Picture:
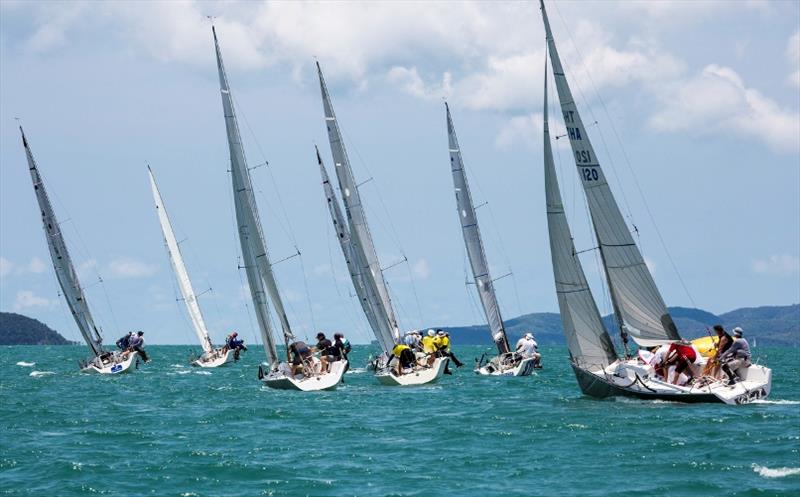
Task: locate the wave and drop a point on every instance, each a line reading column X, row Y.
column 357, row 370
column 202, row 372
column 38, row 374
column 776, row 402
column 26, row 364
column 776, row 472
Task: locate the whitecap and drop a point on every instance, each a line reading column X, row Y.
column 357, row 371
column 775, row 472
column 776, row 402
column 37, row 374
column 202, row 372
column 26, row 364
column 177, row 366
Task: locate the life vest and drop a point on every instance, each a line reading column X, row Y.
column 398, row 349
column 429, row 344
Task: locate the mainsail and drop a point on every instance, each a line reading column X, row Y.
column 385, row 324
column 254, row 252
column 637, row 302
column 472, row 239
column 587, row 339
column 62, row 263
column 184, row 283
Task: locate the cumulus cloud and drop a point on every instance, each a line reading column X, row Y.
column 6, row 267
column 27, row 299
column 37, row 266
column 718, row 98
column 129, row 268
column 783, row 264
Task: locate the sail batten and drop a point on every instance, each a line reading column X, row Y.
column 182, row 275
column 376, row 291
column 62, row 262
column 638, row 304
column 258, row 268
column 473, row 241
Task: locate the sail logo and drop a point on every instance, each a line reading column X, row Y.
column 116, row 368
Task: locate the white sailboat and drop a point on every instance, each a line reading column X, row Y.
column 258, row 267
column 507, row 362
column 366, row 274
column 211, row 357
column 101, row 361
column 637, row 303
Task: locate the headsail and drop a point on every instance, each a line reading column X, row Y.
column 387, row 331
column 472, row 238
column 254, row 252
column 184, row 283
column 587, row 339
column 637, row 301
column 351, row 255
column 62, row 262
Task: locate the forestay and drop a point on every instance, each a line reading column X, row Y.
column 254, row 253
column 472, row 238
column 184, row 283
column 587, row 339
column 62, row 262
column 385, row 326
column 638, row 303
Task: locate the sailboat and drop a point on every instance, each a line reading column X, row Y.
column 261, row 280
column 638, row 306
column 211, row 357
column 507, row 362
column 101, row 361
column 366, row 274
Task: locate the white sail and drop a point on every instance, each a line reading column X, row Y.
column 62, row 263
column 351, row 256
column 184, row 283
column 254, row 253
column 637, row 301
column 472, row 238
column 387, row 331
column 587, row 339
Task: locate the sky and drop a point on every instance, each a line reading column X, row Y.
column 696, row 108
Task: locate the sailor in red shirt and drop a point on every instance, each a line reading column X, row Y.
column 683, row 356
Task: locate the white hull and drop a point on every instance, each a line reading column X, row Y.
column 524, row 368
column 419, row 376
column 216, row 359
column 115, row 365
column 633, row 379
column 283, row 380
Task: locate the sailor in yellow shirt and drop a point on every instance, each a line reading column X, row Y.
column 442, row 343
column 429, row 346
column 405, row 358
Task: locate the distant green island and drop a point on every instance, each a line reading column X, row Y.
column 16, row 329
column 768, row 325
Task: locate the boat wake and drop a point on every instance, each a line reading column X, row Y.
column 26, row 364
column 38, row 374
column 777, row 402
column 357, row 371
column 776, row 472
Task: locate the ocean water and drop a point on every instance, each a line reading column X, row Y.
column 173, row 430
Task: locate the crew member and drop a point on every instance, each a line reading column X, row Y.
column 124, row 342
column 325, row 349
column 527, row 347
column 736, row 358
column 429, row 346
column 683, row 356
column 136, row 344
column 233, row 343
column 300, row 353
column 405, row 358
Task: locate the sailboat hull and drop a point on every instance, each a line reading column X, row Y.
column 282, row 381
column 629, row 379
column 417, row 377
column 215, row 360
column 117, row 365
column 525, row 368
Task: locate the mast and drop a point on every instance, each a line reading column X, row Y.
column 346, row 243
column 638, row 303
column 587, row 339
column 184, row 283
column 254, row 253
column 387, row 331
column 62, row 262
column 472, row 239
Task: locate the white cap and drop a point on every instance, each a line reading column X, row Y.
column 431, row 333
column 738, row 331
column 498, row 337
column 529, row 335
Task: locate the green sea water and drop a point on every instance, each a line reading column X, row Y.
column 173, row 430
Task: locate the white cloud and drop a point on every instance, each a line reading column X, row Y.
column 26, row 299
column 525, row 129
column 717, row 100
column 6, row 267
column 793, row 54
column 421, row 269
column 783, row 264
column 129, row 268
column 409, row 80
column 37, row 266
column 87, row 269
